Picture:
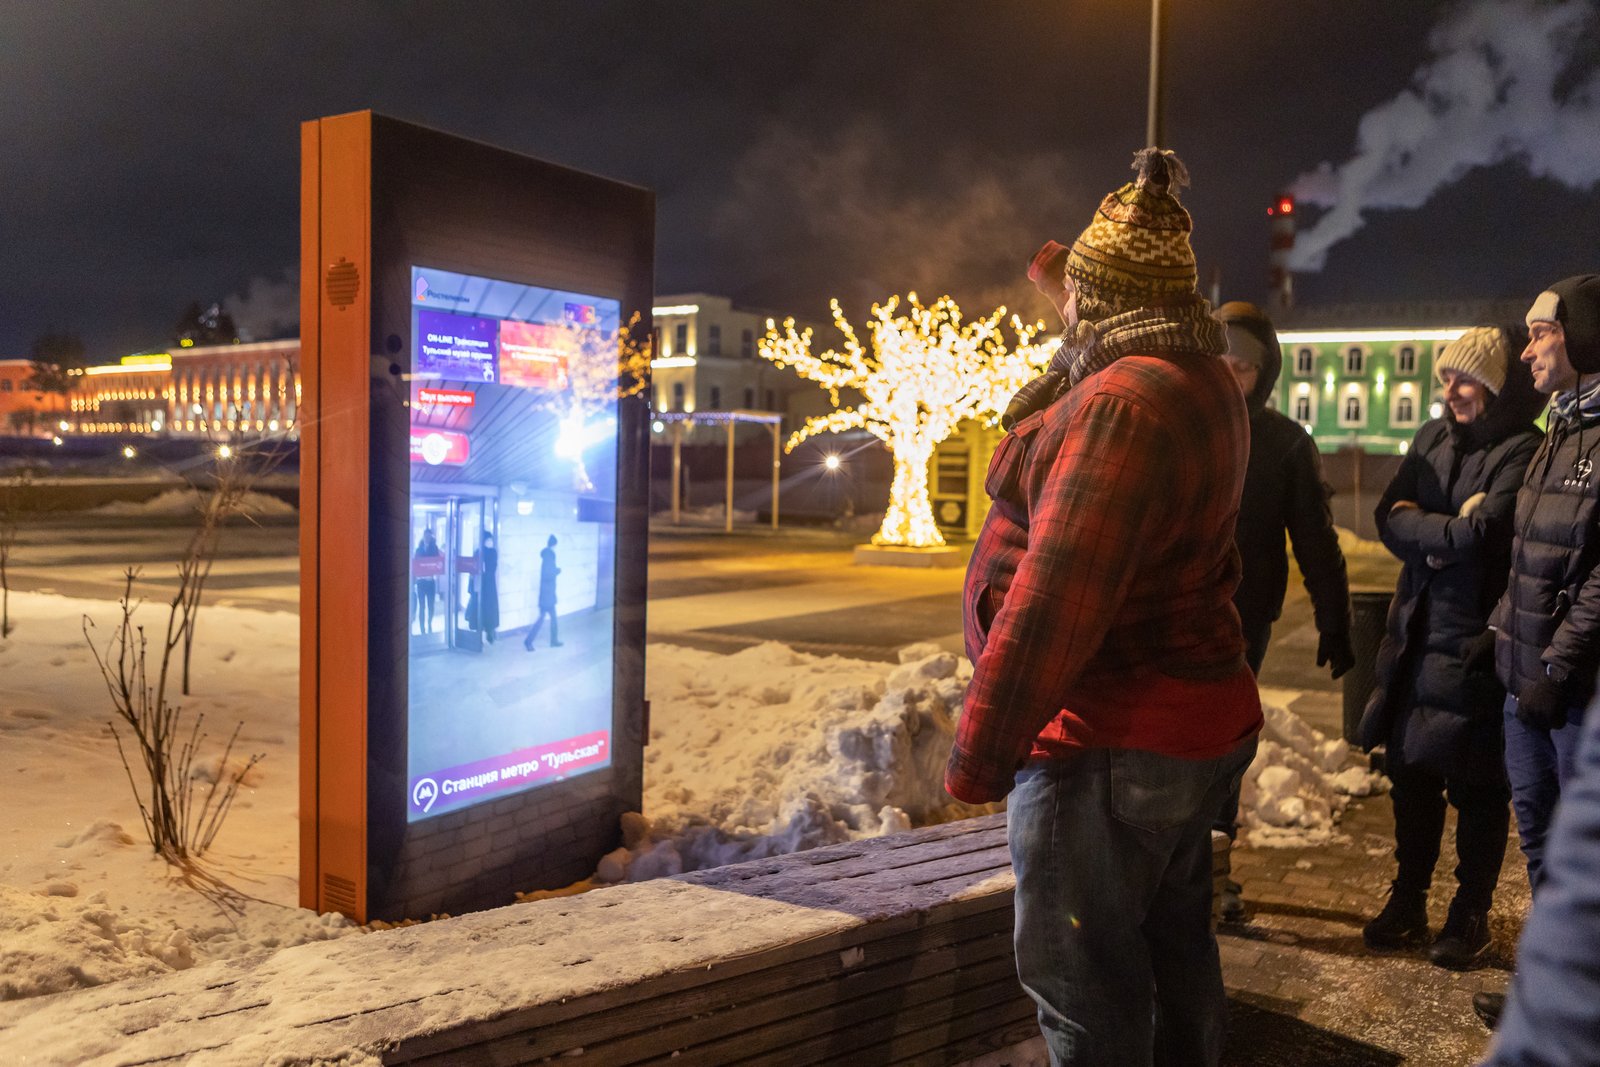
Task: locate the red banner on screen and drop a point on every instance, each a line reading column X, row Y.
column 533, row 355
column 447, row 398
column 435, row 447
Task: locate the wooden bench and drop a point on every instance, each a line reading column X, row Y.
column 895, row 950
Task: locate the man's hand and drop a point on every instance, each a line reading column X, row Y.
column 1401, row 504
column 1542, row 705
column 1335, row 653
column 961, row 783
column 1469, row 505
column 1477, row 653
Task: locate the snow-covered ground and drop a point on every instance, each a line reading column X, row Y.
column 187, row 502
column 762, row 752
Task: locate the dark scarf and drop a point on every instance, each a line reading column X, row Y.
column 1180, row 326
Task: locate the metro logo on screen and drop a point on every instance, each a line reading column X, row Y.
column 436, row 447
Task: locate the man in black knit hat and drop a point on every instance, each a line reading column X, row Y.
column 1547, row 645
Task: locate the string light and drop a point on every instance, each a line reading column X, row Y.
column 926, row 372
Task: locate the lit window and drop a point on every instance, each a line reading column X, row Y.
column 1353, row 406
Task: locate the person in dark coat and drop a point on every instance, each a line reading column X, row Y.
column 488, row 589
column 1283, row 491
column 1555, row 996
column 426, row 589
column 547, row 596
column 1447, row 517
column 1547, row 640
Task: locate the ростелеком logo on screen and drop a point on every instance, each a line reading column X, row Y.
column 422, row 289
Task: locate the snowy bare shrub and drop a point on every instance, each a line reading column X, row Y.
column 181, row 810
column 238, row 465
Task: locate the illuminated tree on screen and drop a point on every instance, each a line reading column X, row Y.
column 601, row 370
column 926, row 370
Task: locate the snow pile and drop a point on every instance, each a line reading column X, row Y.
column 83, row 899
column 187, row 502
column 1354, row 546
column 770, row 750
column 1300, row 783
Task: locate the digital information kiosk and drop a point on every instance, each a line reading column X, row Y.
column 473, row 520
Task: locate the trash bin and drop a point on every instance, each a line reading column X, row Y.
column 1369, row 617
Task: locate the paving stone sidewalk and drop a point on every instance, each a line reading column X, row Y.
column 1306, row 991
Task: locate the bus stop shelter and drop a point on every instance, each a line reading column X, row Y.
column 676, row 420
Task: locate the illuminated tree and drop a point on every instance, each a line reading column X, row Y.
column 926, row 372
column 601, row 369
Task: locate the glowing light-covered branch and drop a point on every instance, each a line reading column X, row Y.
column 601, row 369
column 927, row 370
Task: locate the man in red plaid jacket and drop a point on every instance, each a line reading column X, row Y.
column 1110, row 688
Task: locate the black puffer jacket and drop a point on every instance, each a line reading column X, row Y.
column 1283, row 489
column 1427, row 707
column 1550, row 614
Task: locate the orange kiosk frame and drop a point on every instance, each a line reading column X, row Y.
column 378, row 196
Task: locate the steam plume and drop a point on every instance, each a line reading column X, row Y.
column 1506, row 81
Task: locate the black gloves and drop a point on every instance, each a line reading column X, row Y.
column 1477, row 654
column 1334, row 652
column 1543, row 705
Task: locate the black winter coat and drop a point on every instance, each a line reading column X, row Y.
column 1550, row 614
column 1427, row 707
column 1284, row 490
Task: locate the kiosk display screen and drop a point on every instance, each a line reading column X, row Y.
column 513, row 465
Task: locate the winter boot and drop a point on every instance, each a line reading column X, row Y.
column 1463, row 940
column 1403, row 922
column 1231, row 904
column 1488, row 1006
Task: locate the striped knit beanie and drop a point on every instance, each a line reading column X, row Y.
column 1136, row 252
column 1482, row 352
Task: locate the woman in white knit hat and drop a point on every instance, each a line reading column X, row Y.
column 1437, row 706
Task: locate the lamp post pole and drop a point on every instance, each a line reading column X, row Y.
column 1153, row 131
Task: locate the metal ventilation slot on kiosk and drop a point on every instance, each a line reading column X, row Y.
column 473, row 520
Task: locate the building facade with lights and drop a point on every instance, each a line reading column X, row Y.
column 1366, row 387
column 196, row 390
column 707, row 358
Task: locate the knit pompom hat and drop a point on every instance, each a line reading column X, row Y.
column 1136, row 252
column 1482, row 352
column 1575, row 304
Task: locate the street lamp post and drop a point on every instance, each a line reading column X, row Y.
column 1153, row 131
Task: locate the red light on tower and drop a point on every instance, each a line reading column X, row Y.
column 1285, row 205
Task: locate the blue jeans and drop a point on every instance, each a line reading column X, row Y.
column 1112, row 853
column 1538, row 762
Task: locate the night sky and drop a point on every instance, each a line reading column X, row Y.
column 800, row 149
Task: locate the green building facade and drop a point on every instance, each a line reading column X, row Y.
column 1349, row 388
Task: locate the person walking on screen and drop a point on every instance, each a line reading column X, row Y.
column 547, row 595
column 1110, row 696
column 488, row 588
